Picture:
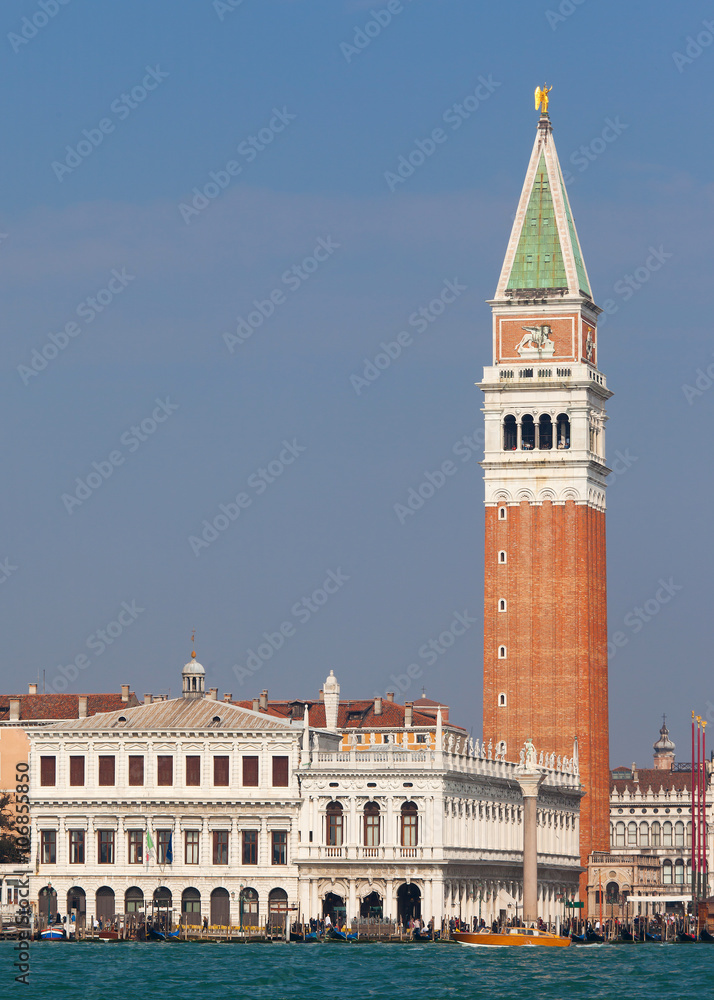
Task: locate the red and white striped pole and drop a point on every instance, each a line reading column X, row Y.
column 703, row 810
column 694, row 816
column 699, row 807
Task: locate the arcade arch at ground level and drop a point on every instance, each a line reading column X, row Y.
column 467, row 895
column 376, row 892
column 230, row 901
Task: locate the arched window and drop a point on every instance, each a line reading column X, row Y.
column 502, row 652
column 248, row 907
column 104, row 903
column 620, row 834
column 502, row 556
column 527, row 433
column 371, row 825
column 409, row 824
column 612, row 892
column 502, row 513
column 510, row 433
column 502, row 700
column 335, row 825
column 656, row 834
column 644, row 834
column 679, row 872
column 501, row 605
column 667, row 872
column 133, row 900
column 191, row 906
column 220, row 907
column 689, row 834
column 632, row 834
column 277, row 908
column 563, row 430
column 666, row 834
column 679, row 834
column 545, row 432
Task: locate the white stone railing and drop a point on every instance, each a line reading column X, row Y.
column 458, row 754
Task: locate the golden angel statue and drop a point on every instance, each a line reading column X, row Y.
column 541, row 98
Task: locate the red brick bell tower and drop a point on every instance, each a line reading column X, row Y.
column 545, row 632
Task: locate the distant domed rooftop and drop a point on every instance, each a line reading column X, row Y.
column 193, row 678
column 664, row 744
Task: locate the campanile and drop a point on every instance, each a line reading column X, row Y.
column 545, row 623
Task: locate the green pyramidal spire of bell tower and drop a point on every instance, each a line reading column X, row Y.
column 544, row 252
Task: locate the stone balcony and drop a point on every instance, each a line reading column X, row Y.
column 465, row 758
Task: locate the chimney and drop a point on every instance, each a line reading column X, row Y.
column 227, row 696
column 321, row 695
column 390, row 695
column 14, row 710
column 148, row 699
column 408, row 714
column 635, row 775
column 378, row 706
column 32, row 689
column 256, row 704
column 213, row 694
column 264, row 698
column 125, row 692
column 83, row 706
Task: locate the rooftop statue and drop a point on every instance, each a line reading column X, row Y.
column 542, row 99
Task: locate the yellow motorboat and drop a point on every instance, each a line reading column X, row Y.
column 528, row 936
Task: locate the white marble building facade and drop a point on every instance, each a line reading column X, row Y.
column 434, row 833
column 238, row 817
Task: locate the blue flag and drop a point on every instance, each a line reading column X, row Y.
column 170, row 850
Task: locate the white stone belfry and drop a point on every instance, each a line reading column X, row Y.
column 193, row 678
column 332, row 701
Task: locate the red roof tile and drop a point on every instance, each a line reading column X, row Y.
column 651, row 777
column 35, row 707
column 351, row 714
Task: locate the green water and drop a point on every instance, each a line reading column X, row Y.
column 336, row 971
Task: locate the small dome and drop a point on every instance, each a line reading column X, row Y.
column 664, row 744
column 193, row 677
column 193, row 666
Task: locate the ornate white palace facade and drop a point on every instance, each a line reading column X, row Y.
column 237, row 816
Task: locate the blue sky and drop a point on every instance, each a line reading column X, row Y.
column 164, row 351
